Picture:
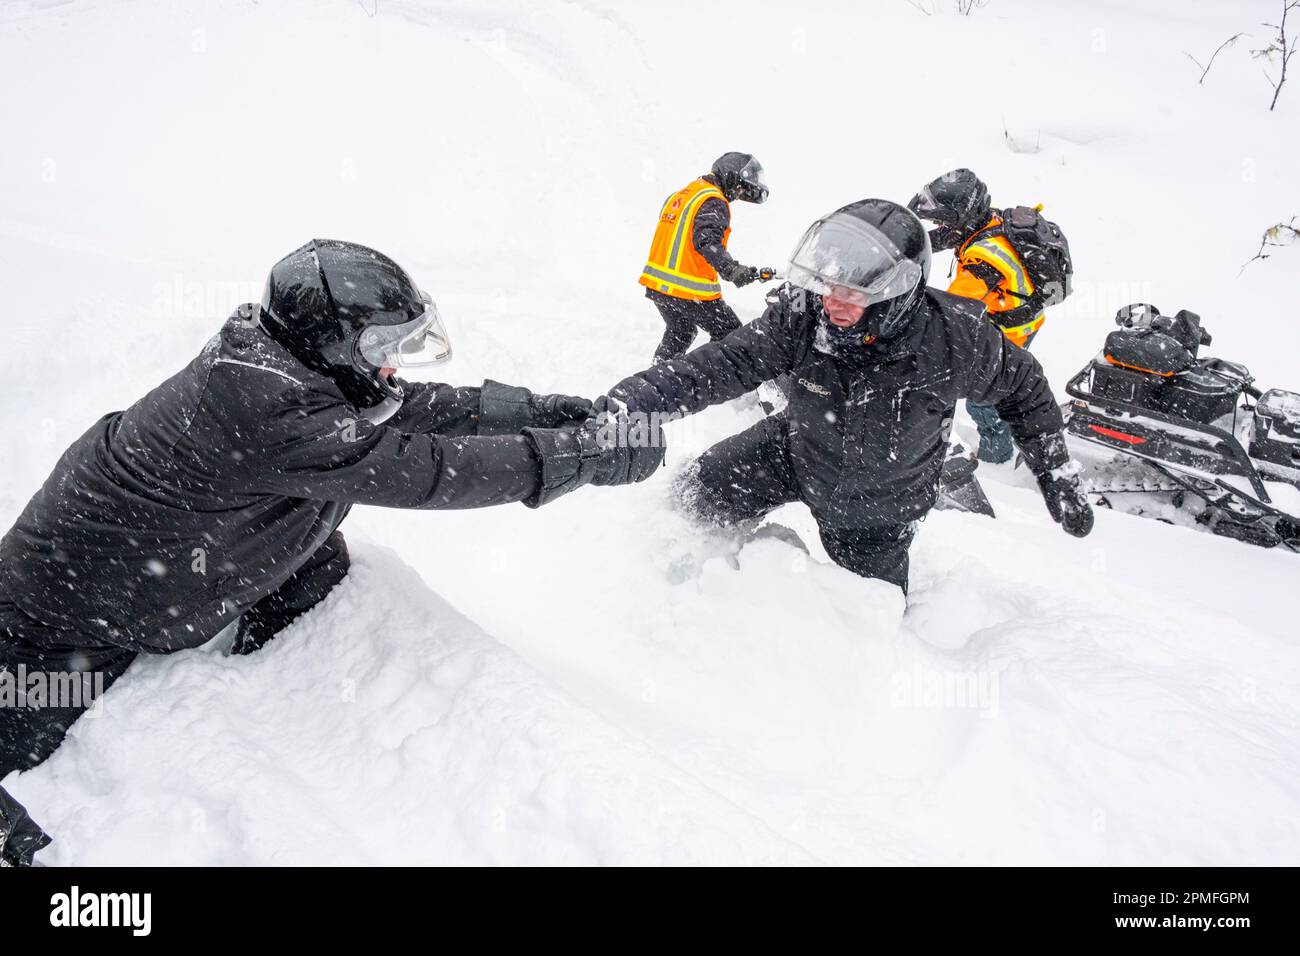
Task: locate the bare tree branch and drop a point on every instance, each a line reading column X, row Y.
column 1281, row 48
column 1282, row 234
column 1205, row 67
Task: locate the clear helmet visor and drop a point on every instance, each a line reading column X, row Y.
column 926, row 206
column 420, row 342
column 753, row 182
column 851, row 260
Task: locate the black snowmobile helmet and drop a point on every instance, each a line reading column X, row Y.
column 957, row 202
column 874, row 252
column 740, row 177
column 347, row 311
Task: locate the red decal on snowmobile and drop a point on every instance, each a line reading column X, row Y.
column 1111, row 433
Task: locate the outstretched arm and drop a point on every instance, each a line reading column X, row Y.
column 436, row 408
column 321, row 450
column 493, row 409
column 721, row 370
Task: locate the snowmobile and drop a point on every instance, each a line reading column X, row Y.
column 1162, row 432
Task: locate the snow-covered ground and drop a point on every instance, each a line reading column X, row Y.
column 516, row 686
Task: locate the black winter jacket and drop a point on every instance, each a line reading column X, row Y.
column 164, row 522
column 868, row 431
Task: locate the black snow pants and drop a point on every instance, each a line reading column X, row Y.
column 303, row 590
column 682, row 317
column 28, row 734
column 20, row 838
column 743, row 477
column 60, row 675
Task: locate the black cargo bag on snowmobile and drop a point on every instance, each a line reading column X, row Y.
column 1043, row 249
column 1277, row 428
column 1151, row 361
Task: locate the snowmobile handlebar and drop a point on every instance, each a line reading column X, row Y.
column 1143, row 315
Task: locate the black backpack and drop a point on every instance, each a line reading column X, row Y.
column 1042, row 248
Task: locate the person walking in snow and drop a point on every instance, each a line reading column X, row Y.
column 877, row 361
column 1015, row 268
column 217, row 497
column 689, row 253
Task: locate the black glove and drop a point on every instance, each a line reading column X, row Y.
column 610, row 448
column 1058, row 479
column 1066, row 503
column 508, row 409
column 551, row 411
column 742, row 276
column 634, row 442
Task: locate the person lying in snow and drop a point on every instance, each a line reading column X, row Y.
column 877, row 362
column 217, row 496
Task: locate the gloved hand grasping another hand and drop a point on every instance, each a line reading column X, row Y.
column 551, row 411
column 613, row 447
column 634, row 444
column 505, row 409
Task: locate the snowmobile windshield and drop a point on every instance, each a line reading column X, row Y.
column 850, row 259
column 753, row 182
column 421, row 341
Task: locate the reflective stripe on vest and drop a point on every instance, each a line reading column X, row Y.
column 991, row 247
column 674, row 267
column 997, row 252
column 1020, row 334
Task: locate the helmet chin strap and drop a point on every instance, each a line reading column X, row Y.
column 378, row 414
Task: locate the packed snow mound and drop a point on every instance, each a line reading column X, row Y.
column 1041, row 700
column 772, row 708
column 381, row 728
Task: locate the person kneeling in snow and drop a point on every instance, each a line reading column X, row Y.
column 877, row 362
column 218, row 496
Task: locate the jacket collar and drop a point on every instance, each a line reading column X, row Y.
column 905, row 345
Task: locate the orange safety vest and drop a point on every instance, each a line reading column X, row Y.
column 1011, row 291
column 674, row 267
